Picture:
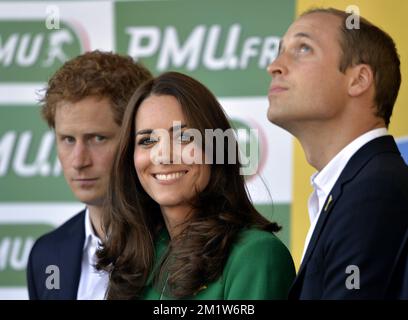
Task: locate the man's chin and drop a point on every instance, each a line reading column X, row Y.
column 91, row 201
column 273, row 117
column 272, row 112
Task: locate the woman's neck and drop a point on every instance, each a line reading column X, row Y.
column 175, row 217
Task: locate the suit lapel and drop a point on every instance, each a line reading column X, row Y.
column 355, row 164
column 324, row 214
column 71, row 258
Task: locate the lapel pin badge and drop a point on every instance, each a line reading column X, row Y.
column 329, row 201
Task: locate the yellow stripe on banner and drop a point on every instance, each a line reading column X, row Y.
column 391, row 17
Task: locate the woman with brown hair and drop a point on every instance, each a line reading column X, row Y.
column 179, row 223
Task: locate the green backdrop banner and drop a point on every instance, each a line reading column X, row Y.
column 225, row 44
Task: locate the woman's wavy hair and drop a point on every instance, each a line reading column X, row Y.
column 133, row 220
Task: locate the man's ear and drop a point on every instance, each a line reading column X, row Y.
column 361, row 79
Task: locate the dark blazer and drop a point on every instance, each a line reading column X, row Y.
column 362, row 225
column 63, row 248
column 398, row 288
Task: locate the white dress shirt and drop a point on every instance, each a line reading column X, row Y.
column 93, row 283
column 324, row 180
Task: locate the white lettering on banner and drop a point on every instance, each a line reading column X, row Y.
column 21, row 44
column 249, row 51
column 201, row 45
column 4, row 252
column 171, row 52
column 19, row 253
column 41, row 166
column 269, row 51
column 26, row 48
column 57, row 168
column 137, row 35
column 55, row 52
column 6, row 149
column 14, row 252
column 228, row 60
column 7, row 49
column 25, row 58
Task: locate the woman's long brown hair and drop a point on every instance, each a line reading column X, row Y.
column 133, row 219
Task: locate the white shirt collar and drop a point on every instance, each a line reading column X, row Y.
column 324, row 180
column 92, row 283
column 91, row 239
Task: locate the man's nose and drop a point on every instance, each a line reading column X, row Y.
column 277, row 67
column 81, row 156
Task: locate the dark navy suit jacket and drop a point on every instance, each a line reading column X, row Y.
column 399, row 283
column 360, row 230
column 63, row 248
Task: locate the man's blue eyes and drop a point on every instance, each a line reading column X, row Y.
column 100, row 138
column 304, row 48
column 301, row 48
column 72, row 140
column 68, row 139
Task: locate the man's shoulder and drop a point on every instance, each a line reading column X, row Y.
column 386, row 169
column 52, row 238
column 373, row 188
column 62, row 248
column 378, row 162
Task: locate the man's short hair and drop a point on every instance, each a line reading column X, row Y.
column 372, row 46
column 96, row 73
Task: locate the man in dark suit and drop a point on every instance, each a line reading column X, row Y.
column 402, row 263
column 84, row 103
column 334, row 85
column 398, row 288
